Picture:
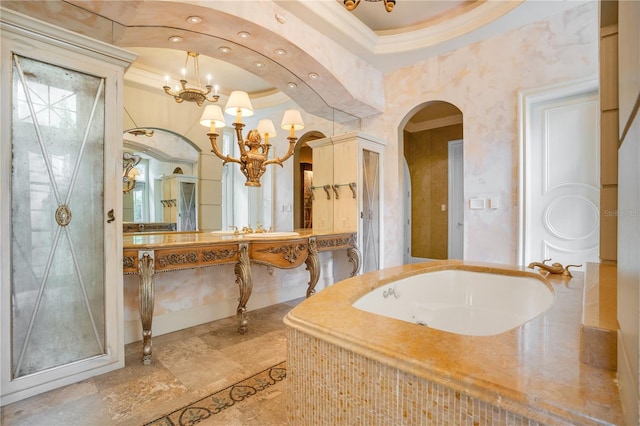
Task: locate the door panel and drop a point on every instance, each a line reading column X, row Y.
column 61, row 151
column 56, row 199
column 456, row 201
column 370, row 211
column 563, row 171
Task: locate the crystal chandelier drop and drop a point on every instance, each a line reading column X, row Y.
column 192, row 94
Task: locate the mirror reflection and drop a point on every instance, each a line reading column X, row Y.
column 165, row 195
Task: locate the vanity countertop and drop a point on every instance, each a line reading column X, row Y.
column 156, row 240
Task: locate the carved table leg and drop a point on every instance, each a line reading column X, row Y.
column 145, row 294
column 245, row 285
column 313, row 266
column 354, row 258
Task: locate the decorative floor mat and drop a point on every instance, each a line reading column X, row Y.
column 225, row 398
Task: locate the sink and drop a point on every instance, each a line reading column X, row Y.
column 270, row 234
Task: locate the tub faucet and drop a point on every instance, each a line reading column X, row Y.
column 554, row 268
column 390, row 292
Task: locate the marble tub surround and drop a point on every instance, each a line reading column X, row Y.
column 149, row 254
column 598, row 334
column 399, row 373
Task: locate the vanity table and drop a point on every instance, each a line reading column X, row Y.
column 152, row 253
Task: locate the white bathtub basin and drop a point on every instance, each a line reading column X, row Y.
column 462, row 302
column 271, row 234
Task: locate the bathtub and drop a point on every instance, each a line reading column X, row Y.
column 349, row 366
column 461, row 301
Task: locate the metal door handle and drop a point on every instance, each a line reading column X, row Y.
column 111, row 216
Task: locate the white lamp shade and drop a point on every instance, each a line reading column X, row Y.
column 212, row 114
column 265, row 127
column 239, row 100
column 291, row 118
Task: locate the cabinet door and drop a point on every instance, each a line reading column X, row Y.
column 345, row 171
column 59, row 318
column 370, row 210
column 187, row 205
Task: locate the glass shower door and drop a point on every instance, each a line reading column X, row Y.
column 57, row 219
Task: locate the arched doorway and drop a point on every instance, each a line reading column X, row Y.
column 434, row 223
column 302, row 181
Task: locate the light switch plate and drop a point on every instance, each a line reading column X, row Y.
column 476, row 203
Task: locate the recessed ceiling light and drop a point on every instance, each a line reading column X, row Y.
column 292, row 85
column 194, row 19
column 313, row 76
column 244, row 34
column 280, row 52
column 259, row 64
column 224, row 49
column 175, row 39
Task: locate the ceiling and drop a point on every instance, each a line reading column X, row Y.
column 414, row 30
column 408, row 16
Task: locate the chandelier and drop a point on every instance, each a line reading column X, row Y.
column 351, row 5
column 254, row 153
column 192, row 94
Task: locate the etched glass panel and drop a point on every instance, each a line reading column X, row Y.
column 371, row 204
column 188, row 203
column 57, row 249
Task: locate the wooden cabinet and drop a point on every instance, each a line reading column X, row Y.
column 61, row 287
column 179, row 200
column 347, row 191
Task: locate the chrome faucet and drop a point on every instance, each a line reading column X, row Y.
column 554, row 268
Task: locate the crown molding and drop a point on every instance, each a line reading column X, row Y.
column 433, row 124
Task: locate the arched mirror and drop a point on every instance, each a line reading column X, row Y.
column 165, row 194
column 303, row 180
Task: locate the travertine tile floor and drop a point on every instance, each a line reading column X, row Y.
column 188, row 365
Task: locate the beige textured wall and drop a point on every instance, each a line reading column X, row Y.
column 426, row 153
column 483, row 81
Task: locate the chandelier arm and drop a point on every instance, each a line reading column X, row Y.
column 280, row 160
column 168, row 91
column 240, row 140
column 214, row 148
column 129, row 184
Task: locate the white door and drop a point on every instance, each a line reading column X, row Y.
column 562, row 172
column 61, row 300
column 456, row 201
column 407, row 213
